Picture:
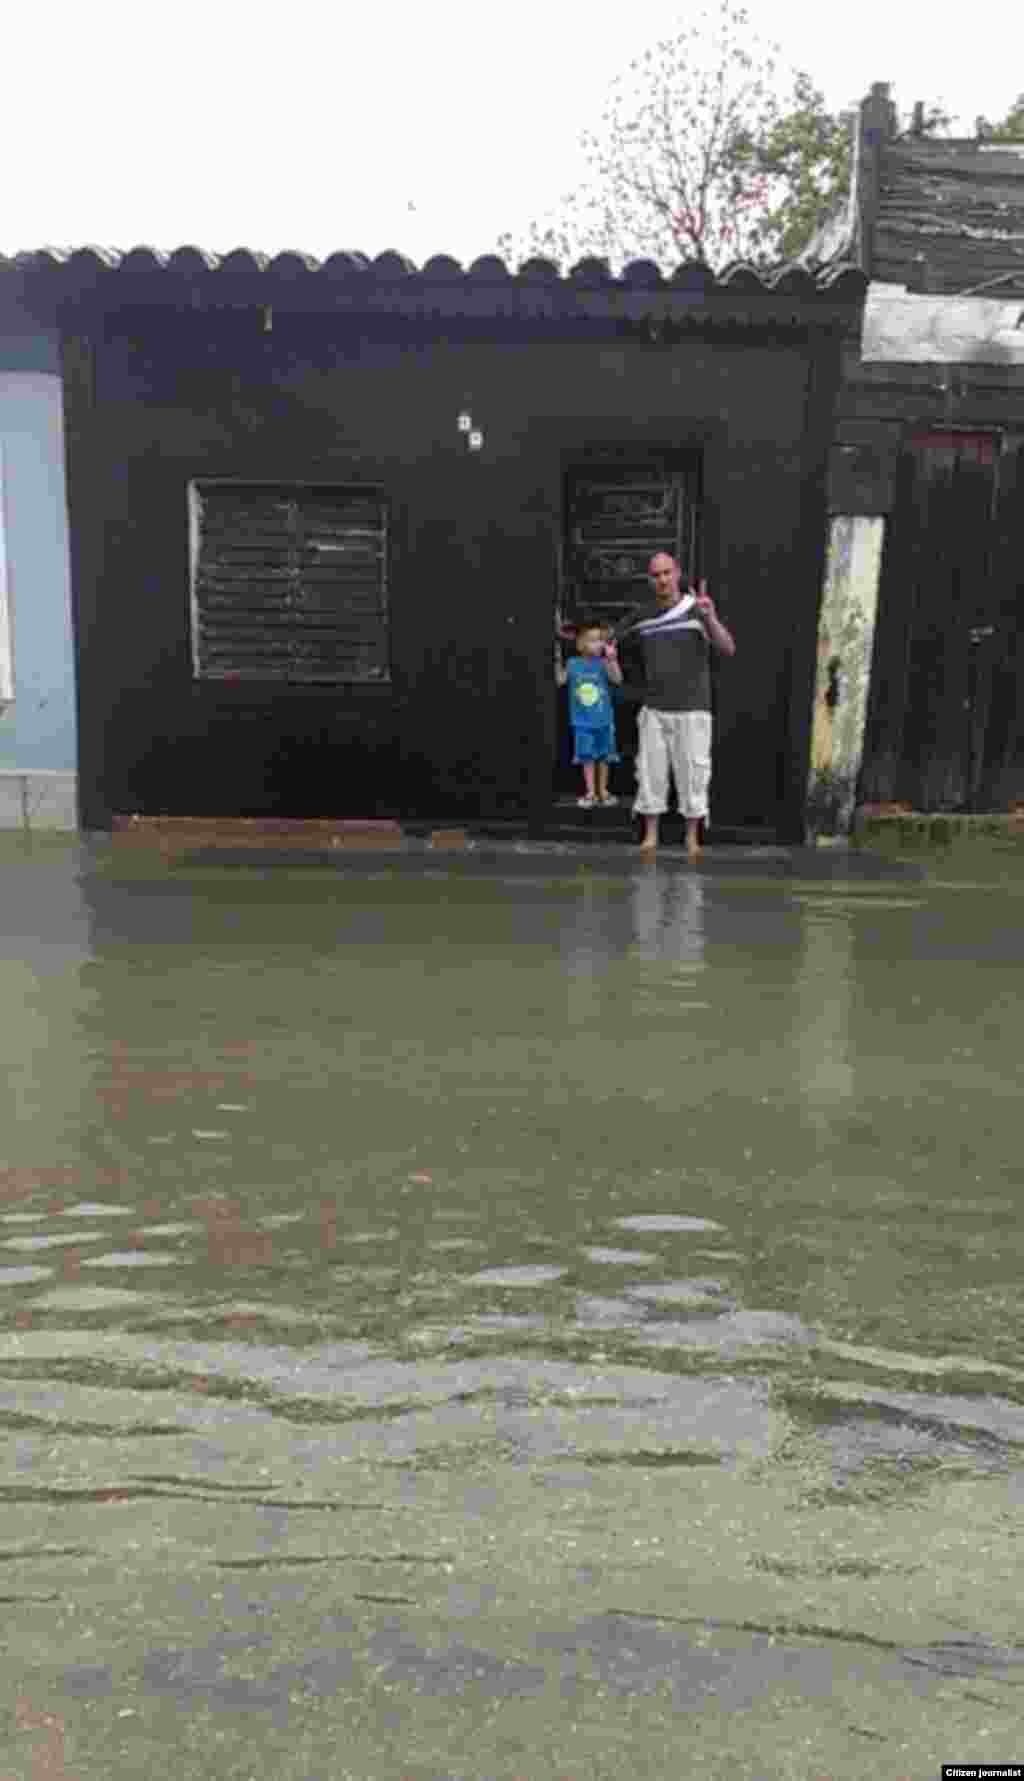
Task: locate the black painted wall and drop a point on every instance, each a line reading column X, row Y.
column 468, row 725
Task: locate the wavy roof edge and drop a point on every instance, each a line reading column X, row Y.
column 639, row 274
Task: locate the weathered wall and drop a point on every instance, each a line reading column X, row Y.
column 973, row 395
column 38, row 748
column 945, row 730
column 902, row 327
column 942, row 729
column 468, row 723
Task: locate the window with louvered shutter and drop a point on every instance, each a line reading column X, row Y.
column 289, row 582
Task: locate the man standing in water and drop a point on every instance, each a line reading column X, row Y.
column 675, row 636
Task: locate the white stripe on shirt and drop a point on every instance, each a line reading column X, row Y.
column 672, row 621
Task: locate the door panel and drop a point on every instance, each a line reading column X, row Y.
column 617, row 515
column 615, row 523
column 946, row 627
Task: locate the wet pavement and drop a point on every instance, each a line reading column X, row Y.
column 530, row 1315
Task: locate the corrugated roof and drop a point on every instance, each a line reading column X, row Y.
column 94, row 264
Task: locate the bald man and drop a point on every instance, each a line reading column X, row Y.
column 675, row 634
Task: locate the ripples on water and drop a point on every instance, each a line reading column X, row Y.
column 316, row 1205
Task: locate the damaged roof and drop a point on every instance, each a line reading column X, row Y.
column 952, row 210
column 936, row 215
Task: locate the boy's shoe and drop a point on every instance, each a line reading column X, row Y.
column 586, row 803
column 609, row 800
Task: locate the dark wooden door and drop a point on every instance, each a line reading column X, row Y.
column 618, row 513
column 941, row 732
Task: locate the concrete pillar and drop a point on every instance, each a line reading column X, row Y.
column 846, row 635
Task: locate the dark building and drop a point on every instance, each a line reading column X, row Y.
column 930, row 443
column 322, row 517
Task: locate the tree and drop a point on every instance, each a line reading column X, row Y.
column 808, row 157
column 1012, row 127
column 706, row 151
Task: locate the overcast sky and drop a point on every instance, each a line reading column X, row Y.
column 428, row 128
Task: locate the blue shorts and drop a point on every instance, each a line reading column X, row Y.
column 594, row 745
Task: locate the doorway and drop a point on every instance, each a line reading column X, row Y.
column 619, row 508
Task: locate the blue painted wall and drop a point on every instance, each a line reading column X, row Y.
column 38, row 729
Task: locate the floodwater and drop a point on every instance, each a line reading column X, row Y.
column 509, row 1317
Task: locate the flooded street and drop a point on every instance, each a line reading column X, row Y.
column 509, row 1317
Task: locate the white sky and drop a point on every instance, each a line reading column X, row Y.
column 305, row 125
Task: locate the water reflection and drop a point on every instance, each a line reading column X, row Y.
column 820, row 1022
column 668, row 916
column 337, row 1205
column 585, row 946
column 45, row 1062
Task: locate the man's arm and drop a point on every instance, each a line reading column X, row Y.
column 720, row 638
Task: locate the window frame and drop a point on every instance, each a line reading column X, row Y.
column 294, row 490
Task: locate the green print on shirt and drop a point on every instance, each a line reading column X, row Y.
column 590, row 701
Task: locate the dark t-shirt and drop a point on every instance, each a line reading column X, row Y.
column 673, row 656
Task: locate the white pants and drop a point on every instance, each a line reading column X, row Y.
column 678, row 742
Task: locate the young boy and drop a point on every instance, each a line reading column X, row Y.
column 587, row 676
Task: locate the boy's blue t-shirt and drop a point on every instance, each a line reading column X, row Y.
column 590, row 700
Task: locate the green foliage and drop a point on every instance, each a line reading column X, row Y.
column 707, row 151
column 691, row 160
column 1012, row 127
column 808, row 156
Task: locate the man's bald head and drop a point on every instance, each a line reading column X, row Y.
column 665, row 575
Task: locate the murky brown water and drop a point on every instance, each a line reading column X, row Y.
column 520, row 1318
